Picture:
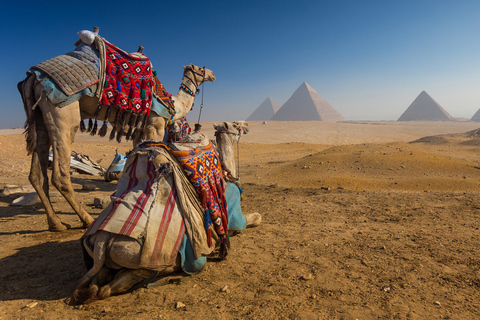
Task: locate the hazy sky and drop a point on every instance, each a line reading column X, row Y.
column 368, row 59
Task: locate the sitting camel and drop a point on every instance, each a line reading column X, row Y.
column 126, row 257
column 48, row 126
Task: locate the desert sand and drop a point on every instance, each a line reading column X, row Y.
column 358, row 223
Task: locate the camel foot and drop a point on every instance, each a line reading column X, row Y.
column 59, row 227
column 253, row 219
column 104, row 292
column 87, row 224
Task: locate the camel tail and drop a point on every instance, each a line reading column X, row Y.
column 25, row 88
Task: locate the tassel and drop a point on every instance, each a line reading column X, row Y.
column 97, row 112
column 131, row 123
column 112, row 133
column 129, row 133
column 223, row 247
column 82, row 126
column 209, row 236
column 119, row 135
column 108, row 113
column 90, row 125
column 94, row 130
column 103, row 129
column 115, row 124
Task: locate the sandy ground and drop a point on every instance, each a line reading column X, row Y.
column 358, row 223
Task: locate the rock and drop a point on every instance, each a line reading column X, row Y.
column 31, row 305
column 225, row 289
column 179, row 305
column 27, row 200
column 325, row 188
column 307, row 276
column 437, row 303
column 89, row 187
column 101, row 202
column 11, row 189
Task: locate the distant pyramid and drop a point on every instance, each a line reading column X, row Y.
column 476, row 116
column 265, row 111
column 424, row 108
column 306, row 104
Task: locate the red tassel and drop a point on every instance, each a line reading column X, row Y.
column 209, row 236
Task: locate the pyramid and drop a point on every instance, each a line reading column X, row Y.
column 306, row 104
column 265, row 111
column 424, row 108
column 476, row 116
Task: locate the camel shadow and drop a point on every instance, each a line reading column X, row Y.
column 47, row 271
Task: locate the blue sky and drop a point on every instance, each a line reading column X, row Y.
column 368, row 59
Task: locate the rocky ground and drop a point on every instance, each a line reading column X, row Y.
column 358, row 223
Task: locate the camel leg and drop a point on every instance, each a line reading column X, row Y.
column 38, row 175
column 62, row 124
column 124, row 280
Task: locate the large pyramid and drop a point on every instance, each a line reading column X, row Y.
column 265, row 111
column 306, row 104
column 476, row 116
column 424, row 108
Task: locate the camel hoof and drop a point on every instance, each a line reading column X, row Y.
column 253, row 219
column 104, row 292
column 59, row 227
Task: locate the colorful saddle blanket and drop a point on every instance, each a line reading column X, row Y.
column 128, row 80
column 201, row 164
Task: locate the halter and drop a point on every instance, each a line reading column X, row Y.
column 194, row 81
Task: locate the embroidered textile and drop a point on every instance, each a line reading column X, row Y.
column 202, row 167
column 128, row 81
column 163, row 95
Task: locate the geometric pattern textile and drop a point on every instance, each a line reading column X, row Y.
column 128, row 81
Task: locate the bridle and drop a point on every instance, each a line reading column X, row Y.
column 193, row 81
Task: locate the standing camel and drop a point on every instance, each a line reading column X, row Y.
column 50, row 126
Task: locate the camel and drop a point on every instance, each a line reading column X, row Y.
column 117, row 258
column 50, row 126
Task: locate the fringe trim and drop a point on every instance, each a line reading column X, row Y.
column 82, row 126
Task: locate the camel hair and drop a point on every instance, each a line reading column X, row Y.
column 50, row 126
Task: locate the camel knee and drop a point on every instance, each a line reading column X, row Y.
column 61, row 182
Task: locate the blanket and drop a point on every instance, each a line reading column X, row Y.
column 74, row 71
column 151, row 206
column 201, row 164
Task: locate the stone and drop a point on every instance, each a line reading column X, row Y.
column 101, row 202
column 89, row 187
column 307, row 276
column 29, row 199
column 179, row 305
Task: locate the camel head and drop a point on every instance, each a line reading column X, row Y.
column 234, row 128
column 197, row 75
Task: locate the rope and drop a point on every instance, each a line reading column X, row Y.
column 203, row 90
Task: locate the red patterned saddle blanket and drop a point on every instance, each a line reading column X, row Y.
column 201, row 164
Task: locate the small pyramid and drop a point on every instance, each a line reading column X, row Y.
column 476, row 116
column 424, row 108
column 265, row 111
column 306, row 105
